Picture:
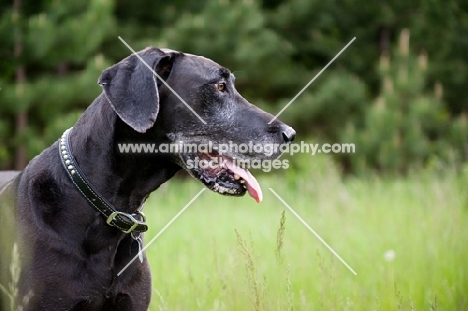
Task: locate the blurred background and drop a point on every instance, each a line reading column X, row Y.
column 398, row 92
column 396, row 210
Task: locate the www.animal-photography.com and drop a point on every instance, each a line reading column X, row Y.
column 233, row 155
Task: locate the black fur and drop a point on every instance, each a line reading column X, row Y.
column 69, row 257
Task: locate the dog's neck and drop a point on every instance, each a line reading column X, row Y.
column 125, row 180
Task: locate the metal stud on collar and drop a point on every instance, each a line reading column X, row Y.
column 125, row 222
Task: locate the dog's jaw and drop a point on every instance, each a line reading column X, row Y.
column 222, row 176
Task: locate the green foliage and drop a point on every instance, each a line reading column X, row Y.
column 405, row 125
column 391, row 231
column 233, row 33
column 335, row 97
column 61, row 61
column 71, row 31
column 274, row 48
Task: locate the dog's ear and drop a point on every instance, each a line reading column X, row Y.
column 132, row 88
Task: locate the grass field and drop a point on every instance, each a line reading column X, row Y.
column 407, row 239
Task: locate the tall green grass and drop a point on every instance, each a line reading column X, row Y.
column 407, row 239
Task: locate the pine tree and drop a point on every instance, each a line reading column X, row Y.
column 56, row 71
column 406, row 125
column 234, row 34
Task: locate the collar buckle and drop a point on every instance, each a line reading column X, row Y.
column 128, row 218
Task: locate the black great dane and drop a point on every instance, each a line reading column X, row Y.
column 71, row 220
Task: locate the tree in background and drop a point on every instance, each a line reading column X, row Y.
column 273, row 47
column 406, row 125
column 318, row 29
column 234, row 33
column 50, row 60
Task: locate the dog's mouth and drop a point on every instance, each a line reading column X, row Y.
column 221, row 174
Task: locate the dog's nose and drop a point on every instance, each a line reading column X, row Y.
column 288, row 134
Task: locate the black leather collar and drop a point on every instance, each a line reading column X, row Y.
column 127, row 223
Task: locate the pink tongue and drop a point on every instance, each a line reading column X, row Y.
column 252, row 184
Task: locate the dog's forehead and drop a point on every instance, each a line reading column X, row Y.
column 197, row 58
column 201, row 66
column 202, row 61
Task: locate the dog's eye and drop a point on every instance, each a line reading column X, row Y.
column 221, row 86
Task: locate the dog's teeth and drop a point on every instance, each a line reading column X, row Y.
column 236, row 177
column 242, row 181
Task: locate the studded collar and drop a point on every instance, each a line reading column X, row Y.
column 125, row 222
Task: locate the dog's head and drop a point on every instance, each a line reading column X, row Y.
column 193, row 105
